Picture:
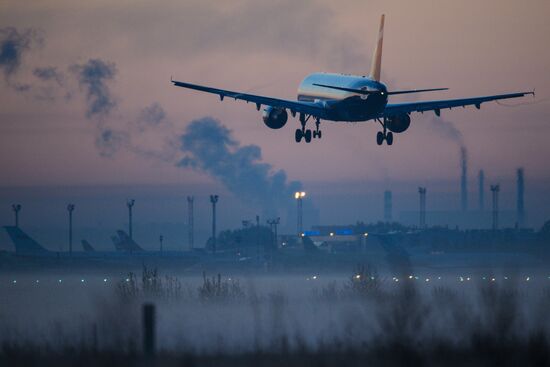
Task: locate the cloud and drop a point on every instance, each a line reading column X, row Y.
column 93, row 77
column 210, row 147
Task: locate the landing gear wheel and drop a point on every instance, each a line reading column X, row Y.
column 380, row 138
column 319, row 135
column 298, row 136
column 389, row 138
column 307, row 136
column 314, row 134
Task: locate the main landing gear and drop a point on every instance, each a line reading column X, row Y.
column 307, row 134
column 384, row 135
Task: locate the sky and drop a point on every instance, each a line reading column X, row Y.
column 87, row 100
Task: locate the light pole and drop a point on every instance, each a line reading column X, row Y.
column 273, row 226
column 70, row 209
column 214, row 200
column 130, row 204
column 299, row 196
column 16, row 208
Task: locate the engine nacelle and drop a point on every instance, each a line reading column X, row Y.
column 398, row 123
column 274, row 118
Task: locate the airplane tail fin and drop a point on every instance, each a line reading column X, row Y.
column 376, row 65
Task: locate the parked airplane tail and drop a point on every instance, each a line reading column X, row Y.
column 376, row 65
column 123, row 242
column 24, row 245
column 87, row 247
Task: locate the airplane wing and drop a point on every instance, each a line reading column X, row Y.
column 309, row 108
column 393, row 109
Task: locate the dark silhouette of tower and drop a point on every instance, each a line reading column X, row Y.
column 130, row 203
column 214, row 200
column 464, row 178
column 388, row 206
column 520, row 204
column 422, row 192
column 70, row 209
column 481, row 190
column 16, row 209
column 495, row 189
column 191, row 221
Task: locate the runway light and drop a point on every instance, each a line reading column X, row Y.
column 484, row 278
column 461, row 279
column 331, row 234
column 371, row 278
column 365, row 234
column 493, row 279
column 37, row 281
column 14, row 281
column 527, row 279
column 314, row 277
column 410, row 276
column 81, row 280
column 358, row 276
column 468, row 278
column 505, row 278
column 427, row 279
column 416, row 278
column 438, row 278
column 127, row 279
column 59, row 281
column 303, row 234
column 396, row 279
column 105, row 280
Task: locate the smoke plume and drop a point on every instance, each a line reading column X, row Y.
column 49, row 73
column 13, row 46
column 93, row 78
column 211, row 148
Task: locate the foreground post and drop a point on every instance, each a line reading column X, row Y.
column 149, row 329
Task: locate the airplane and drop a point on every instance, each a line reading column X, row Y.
column 350, row 98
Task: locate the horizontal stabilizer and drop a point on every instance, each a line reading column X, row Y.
column 368, row 92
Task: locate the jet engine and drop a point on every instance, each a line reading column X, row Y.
column 398, row 123
column 274, row 118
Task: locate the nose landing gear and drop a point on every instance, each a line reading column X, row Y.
column 384, row 135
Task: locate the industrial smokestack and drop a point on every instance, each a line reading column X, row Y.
column 520, row 205
column 422, row 218
column 191, row 221
column 214, row 200
column 481, row 190
column 387, row 206
column 464, row 178
column 495, row 189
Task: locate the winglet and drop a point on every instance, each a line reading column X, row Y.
column 376, row 64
